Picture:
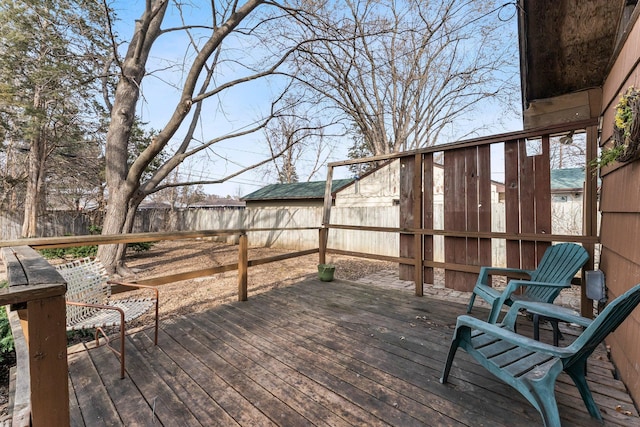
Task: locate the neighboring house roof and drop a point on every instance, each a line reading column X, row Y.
column 567, row 179
column 296, row 190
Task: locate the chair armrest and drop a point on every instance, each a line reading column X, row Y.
column 100, row 306
column 485, row 272
column 135, row 285
column 553, row 311
column 509, row 336
column 513, row 286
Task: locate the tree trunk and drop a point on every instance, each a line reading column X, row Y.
column 121, row 186
column 33, row 202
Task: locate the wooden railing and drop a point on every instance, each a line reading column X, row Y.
column 35, row 296
column 466, row 169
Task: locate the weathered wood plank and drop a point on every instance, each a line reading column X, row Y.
column 132, row 407
column 427, row 213
column 94, row 402
column 165, row 405
column 250, row 360
column 407, row 199
column 332, row 353
column 512, row 200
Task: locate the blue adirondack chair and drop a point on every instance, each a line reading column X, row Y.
column 532, row 367
column 556, row 269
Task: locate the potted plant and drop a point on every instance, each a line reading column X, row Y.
column 326, row 272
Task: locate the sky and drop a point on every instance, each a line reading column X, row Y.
column 241, row 106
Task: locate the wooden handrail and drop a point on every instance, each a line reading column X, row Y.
column 36, row 293
column 104, row 239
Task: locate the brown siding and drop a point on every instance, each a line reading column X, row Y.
column 620, row 229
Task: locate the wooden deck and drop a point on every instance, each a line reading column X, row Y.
column 328, row 354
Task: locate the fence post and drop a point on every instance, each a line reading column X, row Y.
column 243, row 266
column 322, row 244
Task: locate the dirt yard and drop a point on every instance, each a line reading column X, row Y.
column 195, row 295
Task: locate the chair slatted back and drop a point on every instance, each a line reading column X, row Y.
column 606, row 322
column 559, row 264
column 87, row 283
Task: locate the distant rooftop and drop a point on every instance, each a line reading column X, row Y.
column 296, row 190
column 567, row 179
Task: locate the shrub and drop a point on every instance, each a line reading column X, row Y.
column 6, row 337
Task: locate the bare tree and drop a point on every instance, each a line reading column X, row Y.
column 304, row 140
column 209, row 68
column 404, row 70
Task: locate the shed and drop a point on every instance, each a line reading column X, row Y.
column 310, row 194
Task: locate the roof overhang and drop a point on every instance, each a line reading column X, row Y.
column 566, row 48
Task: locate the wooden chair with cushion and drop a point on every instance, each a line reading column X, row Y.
column 90, row 306
column 558, row 266
column 532, row 367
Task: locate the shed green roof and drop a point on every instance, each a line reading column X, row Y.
column 296, row 190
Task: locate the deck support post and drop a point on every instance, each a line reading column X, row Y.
column 49, row 371
column 323, row 235
column 243, row 266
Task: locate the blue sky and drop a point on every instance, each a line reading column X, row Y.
column 241, row 106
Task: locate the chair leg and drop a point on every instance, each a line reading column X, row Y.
column 577, row 373
column 447, row 367
column 546, row 400
column 496, row 305
column 122, row 335
column 155, row 337
column 471, row 301
column 540, row 392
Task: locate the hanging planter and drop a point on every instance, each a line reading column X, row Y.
column 626, row 130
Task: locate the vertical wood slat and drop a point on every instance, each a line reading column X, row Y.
column 471, row 187
column 454, row 215
column 527, row 206
column 427, row 214
column 243, row 266
column 406, row 272
column 48, row 362
column 512, row 201
column 417, row 224
column 542, row 196
column 484, row 203
column 590, row 208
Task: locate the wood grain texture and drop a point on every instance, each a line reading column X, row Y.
column 327, row 354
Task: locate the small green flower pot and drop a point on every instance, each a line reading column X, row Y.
column 326, row 271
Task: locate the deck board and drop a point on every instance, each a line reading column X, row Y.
column 316, row 353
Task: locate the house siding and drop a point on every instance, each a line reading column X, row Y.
column 620, row 208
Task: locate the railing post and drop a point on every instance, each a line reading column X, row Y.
column 36, row 291
column 243, row 266
column 323, row 234
column 48, row 362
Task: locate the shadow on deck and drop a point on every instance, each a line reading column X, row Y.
column 330, row 354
